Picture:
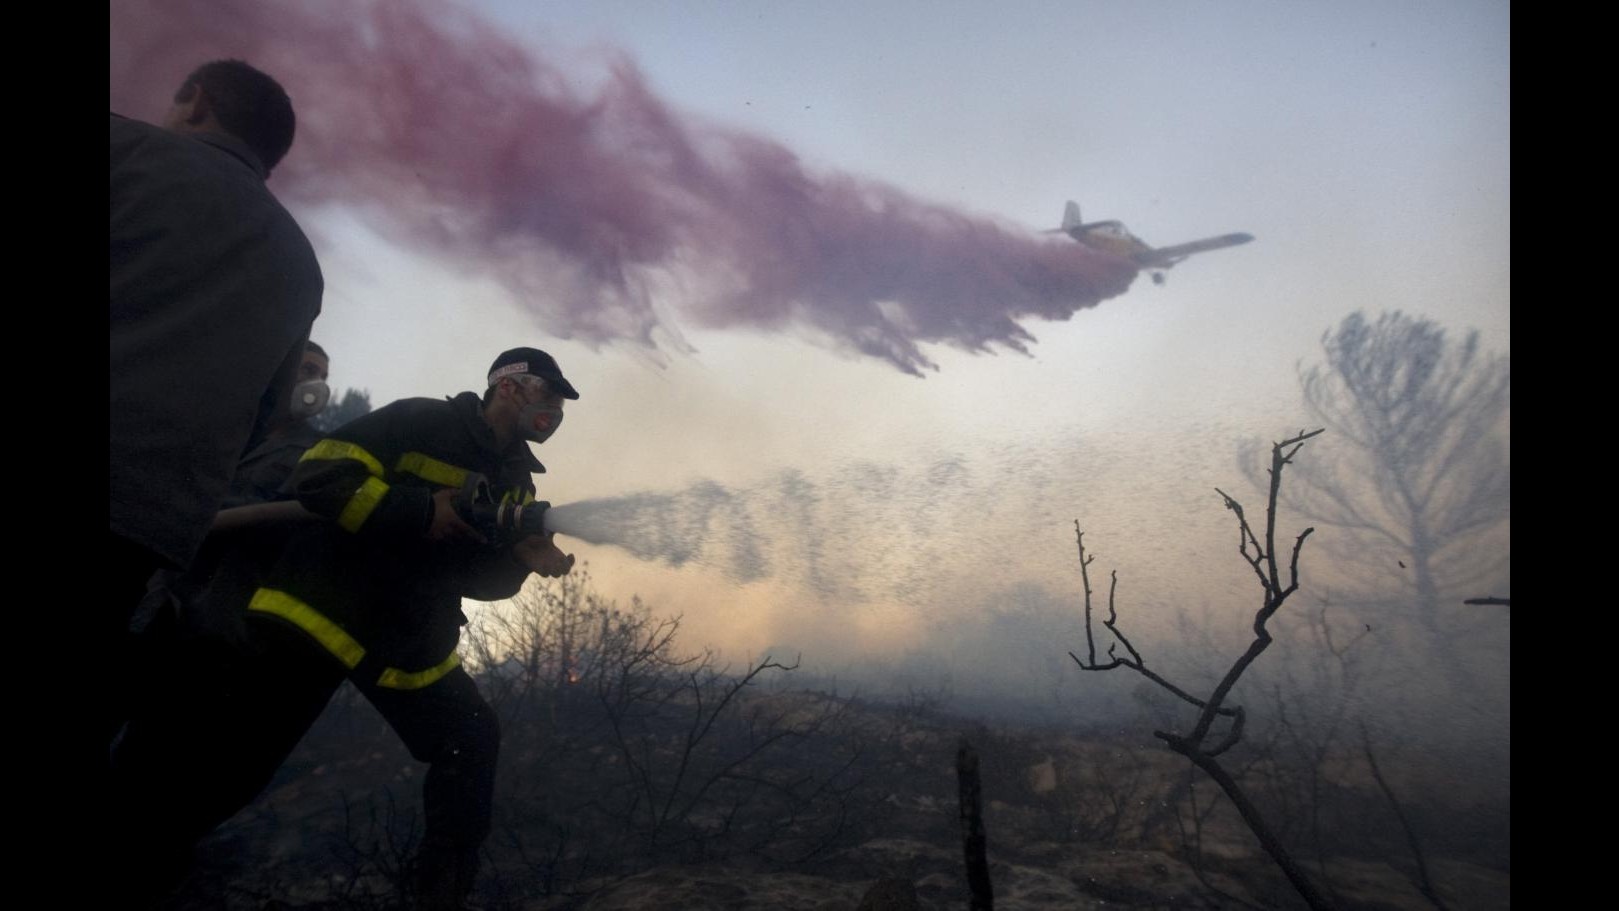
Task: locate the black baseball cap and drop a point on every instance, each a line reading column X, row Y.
column 533, row 362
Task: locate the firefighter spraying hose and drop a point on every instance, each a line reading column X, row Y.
column 423, row 502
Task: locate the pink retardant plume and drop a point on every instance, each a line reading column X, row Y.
column 607, row 214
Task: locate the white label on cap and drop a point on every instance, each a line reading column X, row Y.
column 508, row 370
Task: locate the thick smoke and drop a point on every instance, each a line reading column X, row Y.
column 606, row 213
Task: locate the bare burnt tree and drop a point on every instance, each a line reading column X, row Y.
column 1203, row 745
column 1298, row 761
column 1418, row 470
column 1096, row 799
column 700, row 760
column 552, row 644
column 1190, row 826
column 1309, row 727
column 620, row 751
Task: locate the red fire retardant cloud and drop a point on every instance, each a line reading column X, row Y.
column 607, row 214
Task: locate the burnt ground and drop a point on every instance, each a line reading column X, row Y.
column 692, row 792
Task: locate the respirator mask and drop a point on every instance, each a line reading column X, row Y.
column 309, row 398
column 538, row 420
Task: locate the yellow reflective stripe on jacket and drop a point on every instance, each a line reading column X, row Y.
column 343, row 646
column 365, row 499
column 431, row 469
column 396, row 679
column 338, row 449
column 360, row 505
column 328, row 634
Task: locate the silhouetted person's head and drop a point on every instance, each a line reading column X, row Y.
column 316, row 364
column 230, row 96
column 525, row 395
column 310, row 393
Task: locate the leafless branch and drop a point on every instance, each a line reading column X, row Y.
column 1261, row 558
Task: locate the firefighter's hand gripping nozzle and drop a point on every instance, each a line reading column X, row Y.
column 501, row 522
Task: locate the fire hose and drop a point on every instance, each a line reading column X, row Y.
column 500, row 522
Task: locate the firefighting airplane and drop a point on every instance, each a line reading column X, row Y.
column 1111, row 237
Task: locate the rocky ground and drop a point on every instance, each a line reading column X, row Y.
column 856, row 792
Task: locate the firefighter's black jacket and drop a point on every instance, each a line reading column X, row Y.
column 370, row 587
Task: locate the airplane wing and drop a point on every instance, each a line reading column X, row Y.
column 1168, row 256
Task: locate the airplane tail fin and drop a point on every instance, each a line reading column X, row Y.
column 1070, row 215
